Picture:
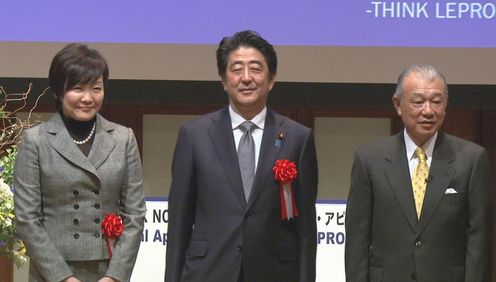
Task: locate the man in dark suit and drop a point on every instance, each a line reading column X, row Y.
column 434, row 230
column 225, row 223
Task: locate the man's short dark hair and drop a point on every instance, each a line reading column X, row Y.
column 247, row 38
column 75, row 64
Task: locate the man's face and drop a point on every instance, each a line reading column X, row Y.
column 422, row 107
column 247, row 81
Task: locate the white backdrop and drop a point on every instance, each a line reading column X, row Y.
column 150, row 265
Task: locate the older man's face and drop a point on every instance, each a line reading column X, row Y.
column 422, row 107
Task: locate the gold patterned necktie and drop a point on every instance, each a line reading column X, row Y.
column 419, row 179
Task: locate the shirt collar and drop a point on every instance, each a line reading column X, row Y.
column 237, row 119
column 411, row 146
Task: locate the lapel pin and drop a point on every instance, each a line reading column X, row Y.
column 280, row 138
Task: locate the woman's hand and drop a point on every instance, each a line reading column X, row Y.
column 72, row 279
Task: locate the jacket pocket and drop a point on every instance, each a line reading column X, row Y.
column 288, row 251
column 460, row 196
column 197, row 249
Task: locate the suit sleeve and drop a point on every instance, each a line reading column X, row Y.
column 358, row 223
column 182, row 199
column 132, row 210
column 478, row 252
column 307, row 224
column 29, row 215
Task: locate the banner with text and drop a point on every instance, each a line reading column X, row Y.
column 150, row 265
column 425, row 23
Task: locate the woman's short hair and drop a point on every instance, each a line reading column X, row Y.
column 75, row 64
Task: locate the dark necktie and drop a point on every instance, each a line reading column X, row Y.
column 246, row 157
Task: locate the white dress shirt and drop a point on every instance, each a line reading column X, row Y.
column 258, row 120
column 410, row 151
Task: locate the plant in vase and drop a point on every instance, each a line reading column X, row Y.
column 10, row 246
column 11, row 128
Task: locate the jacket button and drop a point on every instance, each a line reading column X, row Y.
column 97, row 206
column 75, row 192
column 76, row 206
column 418, row 244
column 239, row 248
column 75, row 221
column 96, row 192
column 96, row 220
column 76, row 236
column 96, row 234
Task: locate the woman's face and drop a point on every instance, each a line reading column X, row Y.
column 83, row 101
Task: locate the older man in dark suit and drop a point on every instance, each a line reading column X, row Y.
column 419, row 207
column 229, row 218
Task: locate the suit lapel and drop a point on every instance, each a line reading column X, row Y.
column 440, row 175
column 61, row 141
column 268, row 154
column 397, row 173
column 221, row 136
column 103, row 144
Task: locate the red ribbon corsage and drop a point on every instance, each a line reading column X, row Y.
column 285, row 173
column 112, row 228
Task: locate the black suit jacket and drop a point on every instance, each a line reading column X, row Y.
column 451, row 241
column 212, row 230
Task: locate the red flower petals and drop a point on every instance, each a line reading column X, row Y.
column 285, row 171
column 112, row 226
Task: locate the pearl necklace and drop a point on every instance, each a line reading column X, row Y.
column 84, row 141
